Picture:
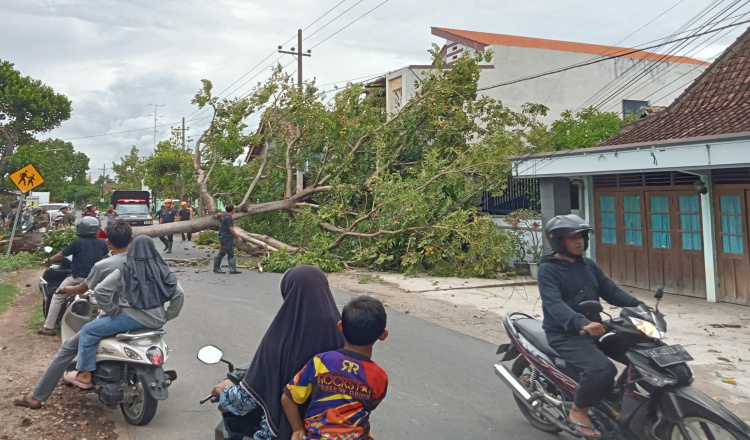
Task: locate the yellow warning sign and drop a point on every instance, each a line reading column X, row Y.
column 27, row 178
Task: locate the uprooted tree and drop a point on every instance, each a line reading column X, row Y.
column 381, row 189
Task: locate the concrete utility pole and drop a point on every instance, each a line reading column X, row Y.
column 155, row 115
column 183, row 129
column 104, row 176
column 299, row 54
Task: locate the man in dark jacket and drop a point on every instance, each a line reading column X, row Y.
column 566, row 279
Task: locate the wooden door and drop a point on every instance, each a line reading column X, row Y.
column 732, row 250
column 607, row 250
column 663, row 267
column 633, row 249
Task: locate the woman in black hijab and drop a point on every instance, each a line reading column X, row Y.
column 304, row 326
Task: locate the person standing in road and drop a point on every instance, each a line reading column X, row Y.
column 185, row 216
column 192, row 211
column 227, row 234
column 168, row 215
column 69, row 219
column 111, row 215
column 88, row 211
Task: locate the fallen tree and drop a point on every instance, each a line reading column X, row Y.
column 384, row 189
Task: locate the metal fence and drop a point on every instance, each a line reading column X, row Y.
column 518, row 194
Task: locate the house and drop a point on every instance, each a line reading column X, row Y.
column 669, row 197
column 517, row 57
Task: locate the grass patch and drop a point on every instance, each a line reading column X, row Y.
column 35, row 320
column 21, row 260
column 7, row 293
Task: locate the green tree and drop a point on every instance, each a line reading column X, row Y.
column 584, row 129
column 388, row 191
column 56, row 160
column 169, row 170
column 130, row 171
column 27, row 107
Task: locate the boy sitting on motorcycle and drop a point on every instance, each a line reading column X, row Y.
column 566, row 278
column 341, row 378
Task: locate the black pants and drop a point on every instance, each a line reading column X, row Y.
column 586, row 358
column 167, row 239
column 189, row 236
column 227, row 247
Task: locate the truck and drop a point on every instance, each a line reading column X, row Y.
column 133, row 206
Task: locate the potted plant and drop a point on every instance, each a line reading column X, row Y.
column 527, row 244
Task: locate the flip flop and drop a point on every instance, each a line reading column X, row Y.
column 575, row 425
column 25, row 402
column 72, row 378
column 49, row 333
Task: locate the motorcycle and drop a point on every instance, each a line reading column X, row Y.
column 654, row 401
column 49, row 282
column 129, row 369
column 231, row 427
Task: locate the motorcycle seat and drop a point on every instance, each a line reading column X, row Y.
column 532, row 330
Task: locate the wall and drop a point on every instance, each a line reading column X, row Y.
column 570, row 89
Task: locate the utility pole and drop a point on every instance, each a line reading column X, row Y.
column 104, row 176
column 183, row 129
column 156, row 115
column 299, row 54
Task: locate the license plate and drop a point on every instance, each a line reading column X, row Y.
column 669, row 355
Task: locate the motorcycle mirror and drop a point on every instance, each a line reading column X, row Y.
column 210, row 355
column 47, row 249
column 587, row 307
column 659, row 293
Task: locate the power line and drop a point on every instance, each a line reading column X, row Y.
column 355, row 20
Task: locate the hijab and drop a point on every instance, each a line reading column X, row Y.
column 148, row 281
column 305, row 325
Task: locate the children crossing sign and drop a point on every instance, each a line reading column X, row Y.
column 27, row 178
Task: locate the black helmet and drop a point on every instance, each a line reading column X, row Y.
column 562, row 226
column 87, row 226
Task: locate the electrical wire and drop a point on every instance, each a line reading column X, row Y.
column 351, row 23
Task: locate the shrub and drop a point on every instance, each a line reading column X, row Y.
column 281, row 261
column 21, row 260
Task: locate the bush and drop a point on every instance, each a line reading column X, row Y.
column 21, row 260
column 281, row 261
column 206, row 238
column 59, row 239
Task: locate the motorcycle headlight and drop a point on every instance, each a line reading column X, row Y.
column 647, row 327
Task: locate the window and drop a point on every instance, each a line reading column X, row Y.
column 397, row 99
column 731, row 224
column 608, row 219
column 690, row 220
column 660, row 236
column 632, row 107
column 632, row 214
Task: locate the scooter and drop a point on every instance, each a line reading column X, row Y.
column 654, row 398
column 51, row 279
column 129, row 369
column 231, row 427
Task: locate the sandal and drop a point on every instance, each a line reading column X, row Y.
column 24, row 401
column 46, row 333
column 71, row 377
column 575, row 425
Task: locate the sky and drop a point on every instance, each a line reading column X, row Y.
column 116, row 59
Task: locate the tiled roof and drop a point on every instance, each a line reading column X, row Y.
column 716, row 103
column 487, row 39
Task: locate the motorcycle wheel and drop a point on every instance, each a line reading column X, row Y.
column 702, row 428
column 138, row 407
column 522, row 370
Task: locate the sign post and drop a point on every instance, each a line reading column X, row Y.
column 26, row 179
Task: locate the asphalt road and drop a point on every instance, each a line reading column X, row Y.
column 442, row 384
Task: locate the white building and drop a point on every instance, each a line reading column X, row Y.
column 662, row 78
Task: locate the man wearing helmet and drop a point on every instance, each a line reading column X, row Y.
column 86, row 251
column 88, row 211
column 167, row 216
column 567, row 278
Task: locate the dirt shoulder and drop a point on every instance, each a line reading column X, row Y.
column 69, row 413
column 716, row 335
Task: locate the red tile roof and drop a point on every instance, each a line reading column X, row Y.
column 716, row 103
column 486, row 39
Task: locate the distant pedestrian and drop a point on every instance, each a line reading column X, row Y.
column 185, row 216
column 227, row 234
column 69, row 219
column 168, row 215
column 88, row 211
column 111, row 215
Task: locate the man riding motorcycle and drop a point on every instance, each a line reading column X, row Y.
column 567, row 278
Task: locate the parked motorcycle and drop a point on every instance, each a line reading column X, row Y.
column 231, row 427
column 129, row 369
column 51, row 279
column 655, row 401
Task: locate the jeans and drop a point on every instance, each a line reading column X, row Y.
column 95, row 331
column 57, row 301
column 227, row 248
column 56, row 369
column 589, row 360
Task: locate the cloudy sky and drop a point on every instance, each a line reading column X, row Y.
column 115, row 59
